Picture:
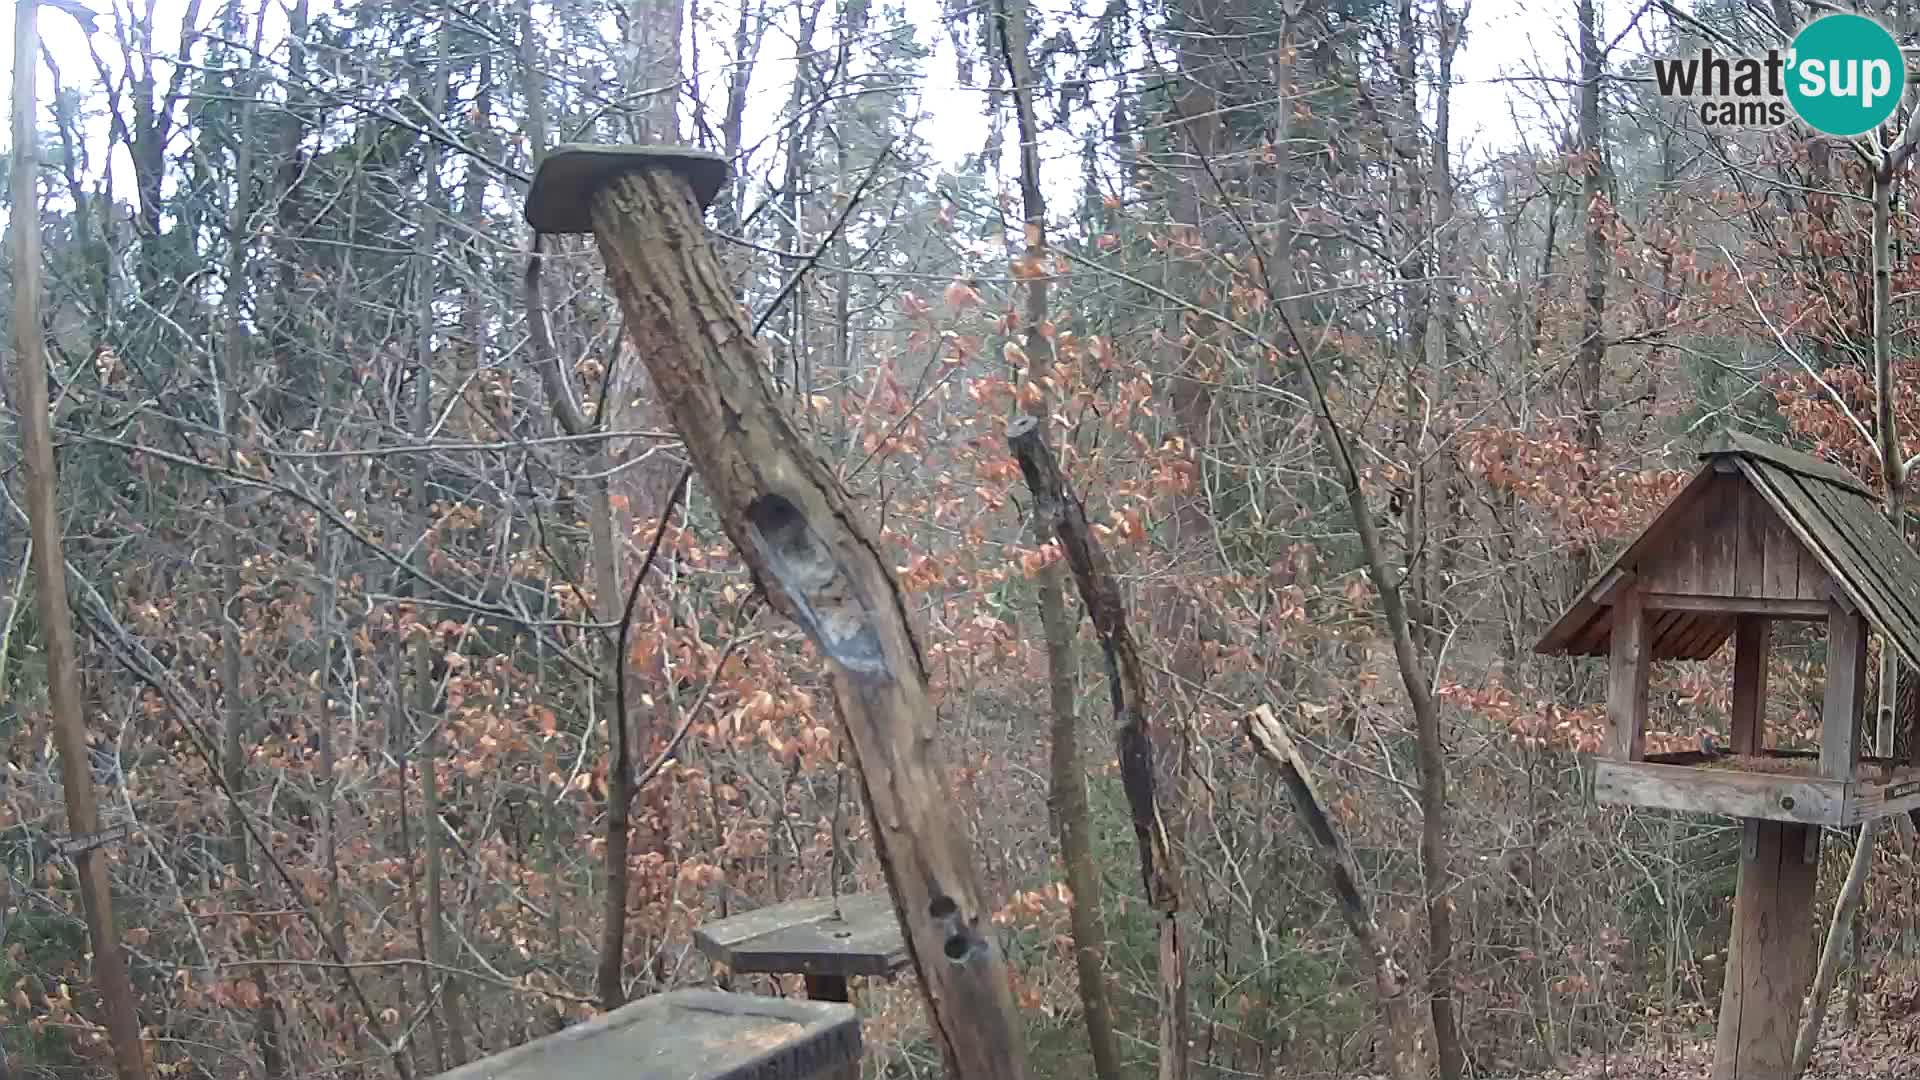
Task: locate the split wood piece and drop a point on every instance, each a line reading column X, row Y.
column 1770, row 958
column 1274, row 745
column 826, row 941
column 1056, row 506
column 688, row 1035
column 810, row 553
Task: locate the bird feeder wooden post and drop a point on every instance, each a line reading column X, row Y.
column 826, row 942
column 1761, row 535
column 807, row 548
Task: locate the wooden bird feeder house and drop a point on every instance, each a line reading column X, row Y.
column 1761, row 534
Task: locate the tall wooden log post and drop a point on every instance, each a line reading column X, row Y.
column 809, row 551
column 1770, row 955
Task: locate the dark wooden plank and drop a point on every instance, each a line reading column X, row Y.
column 1627, row 678
column 688, row 1035
column 1661, row 626
column 1702, row 635
column 1770, row 954
column 805, row 937
column 1783, row 553
column 1680, row 564
column 1846, row 678
column 1718, row 539
column 1594, row 638
column 1752, row 637
column 1739, row 605
column 1750, row 520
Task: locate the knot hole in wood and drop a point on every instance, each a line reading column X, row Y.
column 826, row 602
column 962, row 944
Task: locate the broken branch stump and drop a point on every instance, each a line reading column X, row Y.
column 818, row 564
column 1275, row 746
column 1061, row 513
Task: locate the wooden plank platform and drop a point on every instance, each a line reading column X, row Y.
column 688, row 1035
column 1684, row 782
column 805, row 937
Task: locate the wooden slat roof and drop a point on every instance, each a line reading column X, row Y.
column 1831, row 512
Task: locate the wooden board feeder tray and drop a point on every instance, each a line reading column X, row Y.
column 688, row 1035
column 826, row 941
column 1761, row 534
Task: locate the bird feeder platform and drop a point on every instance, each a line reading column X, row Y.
column 1762, row 534
column 827, row 941
column 688, row 1035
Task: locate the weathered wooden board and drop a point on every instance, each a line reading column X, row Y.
column 1627, row 678
column 1871, row 799
column 1752, row 639
column 1804, row 799
column 806, row 937
column 1846, row 682
column 1771, row 607
column 688, row 1035
column 1770, row 958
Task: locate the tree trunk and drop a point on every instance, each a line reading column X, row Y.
column 1056, row 505
column 1599, row 255
column 819, row 566
column 49, row 563
column 1068, row 783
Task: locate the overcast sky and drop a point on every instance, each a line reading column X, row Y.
column 1511, row 46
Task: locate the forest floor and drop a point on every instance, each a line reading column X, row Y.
column 1884, row 1047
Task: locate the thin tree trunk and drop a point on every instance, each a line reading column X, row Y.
column 1068, row 784
column 1599, row 254
column 1056, row 505
column 1893, row 475
column 49, row 562
column 232, row 672
column 452, row 1049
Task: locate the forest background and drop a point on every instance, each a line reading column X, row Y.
column 350, row 550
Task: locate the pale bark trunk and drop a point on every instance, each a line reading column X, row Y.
column 49, row 562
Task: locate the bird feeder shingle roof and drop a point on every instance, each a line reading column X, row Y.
column 1760, row 529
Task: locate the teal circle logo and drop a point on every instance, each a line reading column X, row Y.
column 1847, row 75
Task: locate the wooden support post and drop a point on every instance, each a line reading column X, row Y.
column 809, row 551
column 1751, row 637
column 1627, row 676
column 1846, row 676
column 1770, row 956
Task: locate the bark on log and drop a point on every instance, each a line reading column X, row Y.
column 1408, row 1052
column 1127, row 684
column 820, row 566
